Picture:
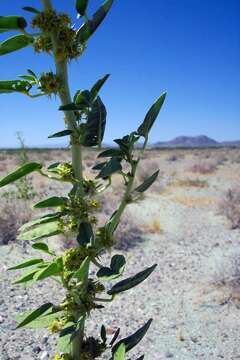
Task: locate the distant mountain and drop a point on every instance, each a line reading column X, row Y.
column 195, row 141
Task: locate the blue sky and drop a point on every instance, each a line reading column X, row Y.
column 191, row 48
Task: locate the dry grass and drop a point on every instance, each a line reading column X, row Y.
column 230, row 207
column 203, row 167
column 153, row 227
column 191, row 183
column 13, row 214
column 194, row 201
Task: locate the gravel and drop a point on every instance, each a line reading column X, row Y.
column 193, row 317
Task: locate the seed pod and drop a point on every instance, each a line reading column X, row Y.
column 8, row 23
column 81, row 6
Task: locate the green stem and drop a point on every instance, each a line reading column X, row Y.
column 65, row 97
column 125, row 199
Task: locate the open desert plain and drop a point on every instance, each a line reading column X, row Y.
column 188, row 223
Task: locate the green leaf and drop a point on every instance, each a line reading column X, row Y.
column 87, row 29
column 35, row 314
column 116, row 269
column 26, row 277
column 11, row 86
column 97, row 87
column 103, row 334
column 95, row 125
column 42, row 220
column 132, row 340
column 42, row 247
column 60, row 134
column 147, row 183
column 81, row 6
column 20, row 172
column 111, row 153
column 42, row 231
column 132, row 281
column 28, row 78
column 15, row 43
column 53, row 201
column 85, row 233
column 32, row 73
column 82, row 272
column 82, row 99
column 115, row 336
column 9, row 23
column 99, row 166
column 151, row 116
column 31, row 9
column 120, row 352
column 64, row 340
column 42, row 321
column 26, row 264
column 52, row 269
column 111, row 167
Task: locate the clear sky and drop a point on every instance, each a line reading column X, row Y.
column 191, row 48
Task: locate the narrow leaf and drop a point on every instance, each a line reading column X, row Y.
column 103, row 334
column 81, row 6
column 120, row 352
column 64, row 340
column 147, row 183
column 35, row 314
column 42, row 321
column 95, row 125
column 26, row 277
column 31, row 9
column 115, row 336
column 87, row 29
column 20, row 172
column 42, row 220
column 111, row 153
column 132, row 281
column 85, row 233
column 132, row 340
column 111, row 167
column 151, row 116
column 15, row 43
column 82, row 272
column 8, row 23
column 60, row 134
column 26, row 264
column 42, row 231
column 97, row 86
column 42, row 247
column 52, row 269
column 53, row 201
column 11, row 86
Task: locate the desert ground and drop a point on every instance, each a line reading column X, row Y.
column 188, row 223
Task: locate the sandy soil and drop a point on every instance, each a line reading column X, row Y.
column 194, row 304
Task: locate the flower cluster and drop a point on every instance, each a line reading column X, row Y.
column 49, row 83
column 67, row 46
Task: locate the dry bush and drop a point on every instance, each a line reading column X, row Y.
column 3, row 167
column 174, row 157
column 230, row 207
column 13, row 213
column 203, row 167
column 153, row 227
column 191, row 183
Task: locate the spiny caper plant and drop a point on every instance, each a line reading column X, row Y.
column 76, row 213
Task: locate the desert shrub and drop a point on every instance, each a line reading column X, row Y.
column 174, row 157
column 13, row 213
column 230, row 207
column 191, row 183
column 203, row 167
